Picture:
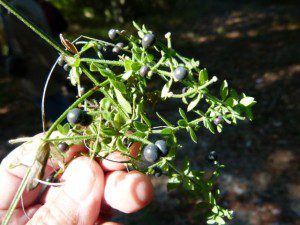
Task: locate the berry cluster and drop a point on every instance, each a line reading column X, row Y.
column 153, row 152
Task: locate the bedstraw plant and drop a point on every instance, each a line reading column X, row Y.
column 119, row 118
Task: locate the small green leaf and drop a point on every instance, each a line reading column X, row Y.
column 123, row 102
column 118, row 85
column 231, row 102
column 140, row 126
column 193, row 135
column 182, row 123
column 181, row 112
column 166, row 89
column 127, row 74
column 127, row 64
column 208, row 125
column 166, row 131
column 249, row 113
column 247, row 101
column 108, row 132
column 146, row 120
column 224, row 90
column 173, row 182
column 136, row 25
column 135, row 66
column 219, row 128
column 203, row 76
column 121, row 147
column 164, row 120
column 219, row 220
column 194, row 103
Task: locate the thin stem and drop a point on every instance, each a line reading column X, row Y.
column 17, row 197
column 76, row 103
column 77, row 138
column 33, row 27
column 198, row 89
column 103, row 61
column 44, row 96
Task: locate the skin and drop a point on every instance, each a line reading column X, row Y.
column 91, row 192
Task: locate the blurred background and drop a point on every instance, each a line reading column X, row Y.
column 255, row 45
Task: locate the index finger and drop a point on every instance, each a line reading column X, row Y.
column 115, row 160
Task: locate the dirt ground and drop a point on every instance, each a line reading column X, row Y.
column 256, row 47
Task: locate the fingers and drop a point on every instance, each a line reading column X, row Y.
column 114, row 160
column 101, row 222
column 9, row 185
column 19, row 216
column 11, row 178
column 128, row 192
column 78, row 200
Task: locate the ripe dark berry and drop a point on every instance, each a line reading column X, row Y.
column 120, row 45
column 157, row 171
column 112, row 34
column 144, row 70
column 148, row 40
column 63, row 146
column 66, row 67
column 162, row 146
column 117, row 49
column 151, row 153
column 86, row 119
column 218, row 120
column 60, row 61
column 212, row 156
column 180, row 73
column 75, row 116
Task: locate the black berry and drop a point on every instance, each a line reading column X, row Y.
column 60, row 61
column 218, row 120
column 157, row 171
column 86, row 119
column 66, row 67
column 180, row 73
column 151, row 153
column 75, row 116
column 212, row 156
column 112, row 34
column 117, row 49
column 162, row 146
column 148, row 40
column 63, row 146
column 120, row 45
column 144, row 70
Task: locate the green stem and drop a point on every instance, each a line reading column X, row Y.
column 198, row 89
column 33, row 27
column 76, row 103
column 75, row 138
column 102, row 61
column 17, row 197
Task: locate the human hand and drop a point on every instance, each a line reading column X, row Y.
column 90, row 192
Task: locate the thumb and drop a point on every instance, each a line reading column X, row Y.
column 78, row 200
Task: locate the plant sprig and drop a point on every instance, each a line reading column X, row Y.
column 120, row 118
